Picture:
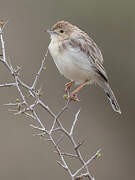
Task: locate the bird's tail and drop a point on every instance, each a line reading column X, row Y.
column 111, row 98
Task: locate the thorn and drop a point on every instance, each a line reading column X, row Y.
column 11, row 104
column 12, row 110
column 40, row 134
column 59, row 162
column 79, row 144
column 36, row 127
column 47, row 139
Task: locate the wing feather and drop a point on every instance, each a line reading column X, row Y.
column 85, row 44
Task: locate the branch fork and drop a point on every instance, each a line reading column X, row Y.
column 24, row 107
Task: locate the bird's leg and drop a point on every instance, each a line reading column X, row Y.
column 68, row 86
column 73, row 95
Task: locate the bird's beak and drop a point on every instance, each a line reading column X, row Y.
column 50, row 31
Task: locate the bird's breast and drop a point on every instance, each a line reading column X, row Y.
column 73, row 65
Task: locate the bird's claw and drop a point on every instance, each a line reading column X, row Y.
column 68, row 86
column 73, row 97
column 67, row 89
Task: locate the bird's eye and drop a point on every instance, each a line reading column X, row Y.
column 61, row 31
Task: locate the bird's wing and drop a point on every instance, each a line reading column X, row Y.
column 85, row 44
column 93, row 48
column 98, row 67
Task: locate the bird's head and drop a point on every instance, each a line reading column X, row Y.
column 62, row 30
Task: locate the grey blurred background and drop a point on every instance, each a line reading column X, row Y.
column 111, row 23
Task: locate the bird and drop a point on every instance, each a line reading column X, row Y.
column 79, row 59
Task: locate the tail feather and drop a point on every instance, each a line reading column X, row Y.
column 112, row 98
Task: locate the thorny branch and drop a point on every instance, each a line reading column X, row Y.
column 24, row 107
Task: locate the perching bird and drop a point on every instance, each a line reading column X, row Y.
column 79, row 59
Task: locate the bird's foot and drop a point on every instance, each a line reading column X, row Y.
column 68, row 86
column 73, row 97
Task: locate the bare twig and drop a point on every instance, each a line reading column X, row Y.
column 68, row 154
column 24, row 107
column 38, row 74
column 88, row 162
column 74, row 122
column 8, row 85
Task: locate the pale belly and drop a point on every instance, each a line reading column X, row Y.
column 74, row 66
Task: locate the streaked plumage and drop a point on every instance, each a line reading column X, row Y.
column 78, row 58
